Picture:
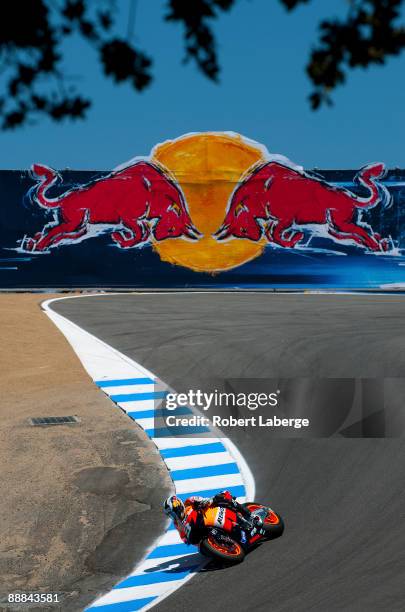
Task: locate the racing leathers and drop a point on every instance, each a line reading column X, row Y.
column 201, row 512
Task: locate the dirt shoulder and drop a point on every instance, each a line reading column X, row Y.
column 80, row 503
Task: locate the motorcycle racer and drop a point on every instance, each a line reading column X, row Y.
column 197, row 513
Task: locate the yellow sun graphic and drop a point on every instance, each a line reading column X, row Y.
column 208, row 167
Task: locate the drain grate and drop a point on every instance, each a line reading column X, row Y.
column 62, row 420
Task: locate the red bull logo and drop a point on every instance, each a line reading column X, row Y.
column 182, row 200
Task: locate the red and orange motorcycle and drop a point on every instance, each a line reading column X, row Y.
column 219, row 545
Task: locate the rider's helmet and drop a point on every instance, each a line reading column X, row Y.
column 174, row 508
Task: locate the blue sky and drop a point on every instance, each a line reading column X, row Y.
column 262, row 94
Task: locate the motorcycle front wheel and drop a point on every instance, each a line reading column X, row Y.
column 273, row 524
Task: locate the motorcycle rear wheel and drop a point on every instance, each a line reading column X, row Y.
column 273, row 524
column 211, row 547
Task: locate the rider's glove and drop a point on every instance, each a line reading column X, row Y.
column 223, row 497
column 257, row 521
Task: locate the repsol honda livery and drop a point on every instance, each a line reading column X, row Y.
column 221, row 527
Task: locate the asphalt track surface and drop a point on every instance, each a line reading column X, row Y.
column 343, row 499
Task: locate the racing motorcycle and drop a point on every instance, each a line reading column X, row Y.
column 217, row 543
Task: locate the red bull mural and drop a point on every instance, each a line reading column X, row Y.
column 209, row 209
column 143, row 202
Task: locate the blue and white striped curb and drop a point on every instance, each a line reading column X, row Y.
column 200, row 464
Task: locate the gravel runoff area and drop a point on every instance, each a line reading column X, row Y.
column 80, row 503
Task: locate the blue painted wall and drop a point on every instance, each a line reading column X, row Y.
column 97, row 262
